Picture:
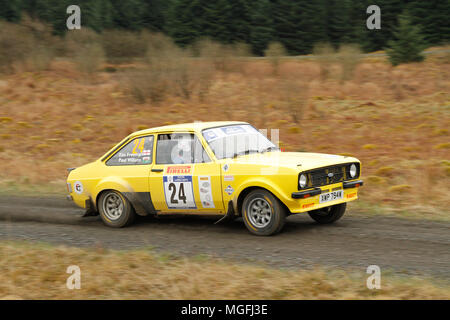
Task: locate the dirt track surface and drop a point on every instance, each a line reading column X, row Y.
column 403, row 246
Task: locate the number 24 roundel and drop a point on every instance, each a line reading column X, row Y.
column 179, row 192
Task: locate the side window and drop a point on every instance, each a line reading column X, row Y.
column 179, row 148
column 137, row 152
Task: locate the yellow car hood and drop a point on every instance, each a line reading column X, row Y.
column 298, row 160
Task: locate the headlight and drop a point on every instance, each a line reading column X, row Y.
column 302, row 180
column 353, row 170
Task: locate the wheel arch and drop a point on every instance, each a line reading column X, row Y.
column 111, row 183
column 247, row 190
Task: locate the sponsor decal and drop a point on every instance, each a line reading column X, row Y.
column 228, row 178
column 233, row 130
column 351, row 195
column 179, row 169
column 204, row 185
column 219, row 133
column 229, row 190
column 146, row 160
column 78, row 187
column 210, row 135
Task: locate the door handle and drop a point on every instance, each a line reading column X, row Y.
column 157, row 170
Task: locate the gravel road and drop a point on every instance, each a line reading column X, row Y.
column 414, row 247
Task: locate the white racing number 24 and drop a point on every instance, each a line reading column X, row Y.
column 179, row 192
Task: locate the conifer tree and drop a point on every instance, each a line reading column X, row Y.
column 408, row 43
column 10, row 10
column 261, row 30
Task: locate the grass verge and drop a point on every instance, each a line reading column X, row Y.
column 38, row 271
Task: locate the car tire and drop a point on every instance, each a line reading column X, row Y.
column 328, row 214
column 262, row 212
column 115, row 210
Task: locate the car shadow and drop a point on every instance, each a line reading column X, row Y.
column 294, row 224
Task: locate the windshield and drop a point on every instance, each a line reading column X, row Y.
column 236, row 140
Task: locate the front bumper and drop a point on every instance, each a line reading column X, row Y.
column 303, row 201
column 352, row 184
column 317, row 191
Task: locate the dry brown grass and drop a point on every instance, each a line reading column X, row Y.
column 275, row 52
column 386, row 117
column 39, row 272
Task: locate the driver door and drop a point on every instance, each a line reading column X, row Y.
column 184, row 178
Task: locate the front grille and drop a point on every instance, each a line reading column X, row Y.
column 329, row 175
column 318, row 178
column 338, row 174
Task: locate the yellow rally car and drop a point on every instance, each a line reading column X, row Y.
column 225, row 168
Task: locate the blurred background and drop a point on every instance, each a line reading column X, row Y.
column 309, row 68
column 298, row 66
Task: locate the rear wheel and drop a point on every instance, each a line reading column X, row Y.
column 328, row 214
column 262, row 212
column 115, row 210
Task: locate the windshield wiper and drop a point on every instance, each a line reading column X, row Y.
column 244, row 153
column 269, row 149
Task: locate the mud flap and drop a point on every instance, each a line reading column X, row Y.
column 229, row 215
column 142, row 202
column 90, row 209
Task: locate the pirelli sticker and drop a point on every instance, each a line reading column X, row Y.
column 175, row 170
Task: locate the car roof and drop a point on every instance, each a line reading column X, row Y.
column 193, row 126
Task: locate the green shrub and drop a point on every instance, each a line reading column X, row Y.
column 408, row 42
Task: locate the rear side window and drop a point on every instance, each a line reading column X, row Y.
column 137, row 152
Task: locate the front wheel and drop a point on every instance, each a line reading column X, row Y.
column 262, row 212
column 328, row 214
column 115, row 210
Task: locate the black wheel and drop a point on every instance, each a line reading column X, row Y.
column 328, row 214
column 115, row 210
column 263, row 214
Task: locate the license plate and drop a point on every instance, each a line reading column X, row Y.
column 331, row 196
